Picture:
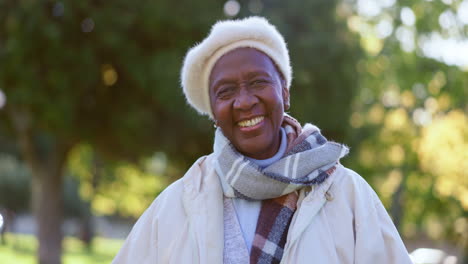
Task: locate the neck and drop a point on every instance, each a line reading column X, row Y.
column 281, row 149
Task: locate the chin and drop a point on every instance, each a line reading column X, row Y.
column 254, row 149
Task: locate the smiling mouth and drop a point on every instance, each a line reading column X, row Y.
column 251, row 122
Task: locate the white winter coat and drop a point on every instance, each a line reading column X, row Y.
column 340, row 221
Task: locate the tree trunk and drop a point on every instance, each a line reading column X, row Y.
column 396, row 209
column 87, row 228
column 49, row 215
column 46, row 161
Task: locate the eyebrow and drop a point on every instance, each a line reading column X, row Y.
column 228, row 80
column 259, row 72
column 221, row 82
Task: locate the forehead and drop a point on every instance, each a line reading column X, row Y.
column 242, row 60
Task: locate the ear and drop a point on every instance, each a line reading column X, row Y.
column 286, row 98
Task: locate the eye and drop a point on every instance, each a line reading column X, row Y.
column 225, row 92
column 259, row 82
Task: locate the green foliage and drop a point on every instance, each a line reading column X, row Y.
column 409, row 121
column 110, row 69
column 117, row 188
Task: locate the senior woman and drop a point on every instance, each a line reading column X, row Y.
column 272, row 191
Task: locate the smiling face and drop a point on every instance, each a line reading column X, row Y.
column 248, row 97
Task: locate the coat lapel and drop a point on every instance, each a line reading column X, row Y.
column 309, row 205
column 203, row 202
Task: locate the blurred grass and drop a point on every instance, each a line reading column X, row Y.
column 21, row 249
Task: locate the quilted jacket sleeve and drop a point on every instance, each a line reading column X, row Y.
column 377, row 239
column 141, row 244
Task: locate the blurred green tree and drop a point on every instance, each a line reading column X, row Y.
column 410, row 115
column 119, row 187
column 106, row 73
column 100, row 72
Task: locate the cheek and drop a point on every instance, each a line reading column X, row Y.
column 276, row 105
column 276, row 102
column 221, row 112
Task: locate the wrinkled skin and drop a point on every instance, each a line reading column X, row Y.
column 246, row 85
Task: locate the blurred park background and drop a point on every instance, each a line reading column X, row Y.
column 94, row 125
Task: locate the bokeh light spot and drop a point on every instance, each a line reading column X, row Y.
column 367, row 156
column 2, row 99
column 462, row 12
column 58, row 9
column 231, row 8
column 447, row 20
column 87, row 25
column 431, row 105
column 372, row 44
column 407, row 16
column 406, row 37
column 419, row 90
column 109, row 75
column 396, row 155
column 444, row 101
column 376, row 114
column 396, row 119
column 368, row 8
column 384, row 28
column 356, row 120
column 438, row 81
column 407, row 99
column 422, row 117
column 391, row 183
column 391, row 98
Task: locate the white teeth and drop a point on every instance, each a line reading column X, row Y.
column 251, row 122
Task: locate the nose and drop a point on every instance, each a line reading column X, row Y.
column 245, row 100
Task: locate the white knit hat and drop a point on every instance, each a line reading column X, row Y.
column 225, row 36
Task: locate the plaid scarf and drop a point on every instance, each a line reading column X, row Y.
column 308, row 156
column 309, row 160
column 272, row 229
